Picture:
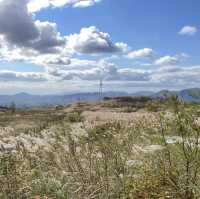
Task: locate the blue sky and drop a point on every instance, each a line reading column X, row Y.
column 62, row 46
column 140, row 23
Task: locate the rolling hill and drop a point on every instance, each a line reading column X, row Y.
column 25, row 100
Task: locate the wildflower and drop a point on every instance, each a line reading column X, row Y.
column 152, row 148
column 131, row 163
column 174, row 140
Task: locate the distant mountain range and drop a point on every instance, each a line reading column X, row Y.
column 187, row 95
column 23, row 100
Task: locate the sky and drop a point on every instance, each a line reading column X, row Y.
column 67, row 46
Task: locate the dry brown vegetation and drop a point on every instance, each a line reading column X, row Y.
column 94, row 151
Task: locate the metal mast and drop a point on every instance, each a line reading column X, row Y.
column 101, row 74
column 100, row 89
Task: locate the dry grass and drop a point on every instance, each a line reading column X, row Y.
column 108, row 116
column 77, row 153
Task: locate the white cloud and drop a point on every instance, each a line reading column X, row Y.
column 188, row 30
column 183, row 76
column 171, row 60
column 167, row 60
column 49, row 40
column 91, row 41
column 22, row 38
column 16, row 24
column 130, row 74
column 86, row 3
column 142, row 53
column 118, row 78
column 19, row 29
column 99, row 69
column 51, row 61
column 6, row 75
column 37, row 5
column 164, row 77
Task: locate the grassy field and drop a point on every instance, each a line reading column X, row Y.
column 123, row 148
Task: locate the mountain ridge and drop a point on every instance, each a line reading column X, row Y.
column 26, row 100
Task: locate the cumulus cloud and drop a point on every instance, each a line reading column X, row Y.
column 164, row 76
column 19, row 29
column 37, row 5
column 171, row 60
column 113, row 75
column 172, row 75
column 142, row 53
column 52, row 61
column 49, row 40
column 22, row 38
column 6, row 75
column 92, row 41
column 82, row 64
column 84, row 70
column 167, row 60
column 86, row 3
column 16, row 24
column 99, row 69
column 188, row 30
column 129, row 74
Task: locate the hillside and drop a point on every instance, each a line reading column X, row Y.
column 187, row 95
column 123, row 147
column 23, row 100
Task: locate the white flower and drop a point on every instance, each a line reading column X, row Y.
column 152, row 148
column 131, row 163
column 174, row 140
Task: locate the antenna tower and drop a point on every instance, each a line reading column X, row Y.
column 100, row 89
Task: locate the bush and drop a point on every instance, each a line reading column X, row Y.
column 75, row 117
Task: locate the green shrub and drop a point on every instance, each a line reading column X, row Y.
column 74, row 117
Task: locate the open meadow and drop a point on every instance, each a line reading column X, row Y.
column 119, row 148
column 99, row 99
